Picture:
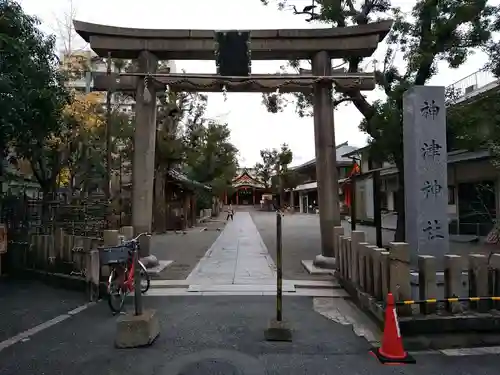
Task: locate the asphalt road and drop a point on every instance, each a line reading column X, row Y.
column 26, row 303
column 217, row 336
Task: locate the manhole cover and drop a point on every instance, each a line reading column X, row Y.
column 210, row 367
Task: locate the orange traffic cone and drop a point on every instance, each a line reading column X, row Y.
column 392, row 351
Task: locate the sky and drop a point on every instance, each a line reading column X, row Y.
column 252, row 127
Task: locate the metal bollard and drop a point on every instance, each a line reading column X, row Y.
column 279, row 271
column 137, row 283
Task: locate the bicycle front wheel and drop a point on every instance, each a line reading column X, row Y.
column 116, row 292
column 145, row 279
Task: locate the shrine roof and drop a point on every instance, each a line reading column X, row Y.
column 245, row 178
column 181, row 178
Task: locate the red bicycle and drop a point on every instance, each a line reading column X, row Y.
column 121, row 277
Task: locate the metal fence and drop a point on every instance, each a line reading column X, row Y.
column 23, row 215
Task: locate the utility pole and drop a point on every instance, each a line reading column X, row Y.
column 107, row 191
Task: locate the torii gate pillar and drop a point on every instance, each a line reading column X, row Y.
column 326, row 159
column 143, row 167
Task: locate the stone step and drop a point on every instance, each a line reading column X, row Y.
column 169, row 284
column 287, row 284
column 321, row 284
column 315, row 292
column 240, row 288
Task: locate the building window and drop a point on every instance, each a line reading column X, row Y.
column 451, row 194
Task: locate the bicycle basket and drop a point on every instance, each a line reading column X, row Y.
column 114, row 254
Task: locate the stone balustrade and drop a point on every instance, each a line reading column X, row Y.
column 369, row 273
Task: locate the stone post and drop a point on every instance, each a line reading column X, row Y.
column 357, row 237
column 348, row 248
column 59, row 242
column 144, row 149
column 384, row 273
column 110, row 238
column 495, row 267
column 426, row 171
column 361, row 264
column 326, row 163
column 399, row 274
column 128, row 232
column 478, row 281
column 341, row 258
column 427, row 283
column 337, row 233
column 453, row 281
column 377, row 273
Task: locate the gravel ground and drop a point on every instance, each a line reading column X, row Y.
column 301, row 241
column 185, row 249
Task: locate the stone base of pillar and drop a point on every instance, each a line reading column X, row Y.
column 324, row 262
column 150, row 261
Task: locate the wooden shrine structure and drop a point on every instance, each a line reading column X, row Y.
column 233, row 52
column 246, row 189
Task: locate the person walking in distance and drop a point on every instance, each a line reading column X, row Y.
column 230, row 212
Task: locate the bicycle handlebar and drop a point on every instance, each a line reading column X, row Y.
column 138, row 236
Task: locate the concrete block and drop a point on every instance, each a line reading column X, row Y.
column 278, row 331
column 133, row 331
column 314, row 270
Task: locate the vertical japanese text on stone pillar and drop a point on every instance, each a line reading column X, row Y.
column 426, row 170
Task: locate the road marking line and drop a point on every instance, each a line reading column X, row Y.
column 24, row 336
column 471, row 351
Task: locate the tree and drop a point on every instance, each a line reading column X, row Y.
column 265, row 169
column 211, row 157
column 274, row 170
column 435, row 31
column 33, row 96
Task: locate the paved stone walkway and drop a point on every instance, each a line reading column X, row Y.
column 238, row 256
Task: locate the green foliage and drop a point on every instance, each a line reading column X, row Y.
column 435, row 31
column 211, row 157
column 274, row 170
column 32, row 94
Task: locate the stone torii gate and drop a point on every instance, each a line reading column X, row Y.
column 148, row 46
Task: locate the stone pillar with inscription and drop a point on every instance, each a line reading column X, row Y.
column 426, row 171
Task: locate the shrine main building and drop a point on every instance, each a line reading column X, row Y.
column 247, row 188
